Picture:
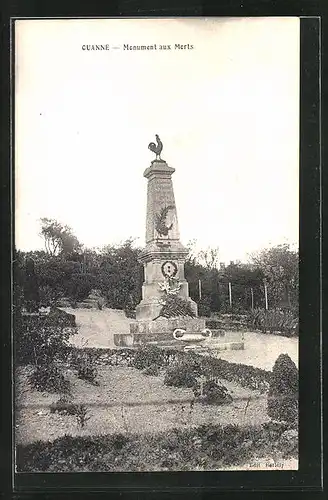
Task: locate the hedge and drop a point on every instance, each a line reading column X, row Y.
column 143, row 357
column 207, row 447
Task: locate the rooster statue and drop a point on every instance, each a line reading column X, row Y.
column 157, row 149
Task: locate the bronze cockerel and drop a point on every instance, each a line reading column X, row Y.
column 156, row 148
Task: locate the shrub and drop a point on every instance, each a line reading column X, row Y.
column 64, row 406
column 152, row 370
column 84, row 364
column 182, row 374
column 209, row 447
column 88, row 372
column 212, row 392
column 204, row 309
column 274, row 320
column 283, row 391
column 48, row 377
column 40, row 339
column 175, row 306
column 79, row 286
column 146, row 356
column 82, row 415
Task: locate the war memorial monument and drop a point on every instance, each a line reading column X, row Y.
column 166, row 313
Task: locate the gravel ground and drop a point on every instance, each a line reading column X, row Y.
column 126, row 400
column 262, row 350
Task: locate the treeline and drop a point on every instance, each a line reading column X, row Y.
column 66, row 269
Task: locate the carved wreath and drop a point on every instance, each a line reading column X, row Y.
column 160, row 221
column 174, row 272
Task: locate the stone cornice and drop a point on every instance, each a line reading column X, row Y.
column 158, row 168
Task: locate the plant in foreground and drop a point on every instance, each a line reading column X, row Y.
column 181, row 374
column 211, row 391
column 49, row 378
column 65, row 406
column 82, row 415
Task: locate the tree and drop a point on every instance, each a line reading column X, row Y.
column 280, row 270
column 58, row 239
column 31, row 290
column 120, row 275
column 205, row 257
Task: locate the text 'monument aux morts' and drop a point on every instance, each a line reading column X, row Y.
column 128, row 47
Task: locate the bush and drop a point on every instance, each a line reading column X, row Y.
column 66, row 407
column 204, row 309
column 40, row 339
column 48, row 377
column 79, row 286
column 88, row 372
column 206, row 447
column 63, row 406
column 274, row 320
column 283, row 391
column 212, row 392
column 152, row 370
column 176, row 306
column 84, row 364
column 146, row 356
column 182, row 374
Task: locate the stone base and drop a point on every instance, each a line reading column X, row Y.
column 158, row 331
column 167, row 341
column 167, row 325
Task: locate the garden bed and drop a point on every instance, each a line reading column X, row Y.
column 127, row 400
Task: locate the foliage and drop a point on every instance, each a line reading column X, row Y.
column 79, row 286
column 65, row 406
column 283, row 391
column 86, row 369
column 41, row 339
column 67, row 270
column 175, row 306
column 204, row 308
column 274, row 320
column 48, row 377
column 182, row 373
column 280, row 270
column 206, row 447
column 82, row 415
column 212, row 391
column 244, row 375
column 146, row 356
column 119, row 275
column 31, row 290
column 58, row 238
column 153, row 370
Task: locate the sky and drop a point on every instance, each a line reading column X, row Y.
column 227, row 112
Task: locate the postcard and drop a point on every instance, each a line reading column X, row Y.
column 156, row 273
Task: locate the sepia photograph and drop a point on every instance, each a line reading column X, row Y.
column 156, row 259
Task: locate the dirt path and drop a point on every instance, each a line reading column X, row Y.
column 262, row 350
column 96, row 328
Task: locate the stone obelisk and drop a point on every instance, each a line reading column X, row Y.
column 163, row 256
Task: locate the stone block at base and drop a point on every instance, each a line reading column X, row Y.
column 167, row 325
